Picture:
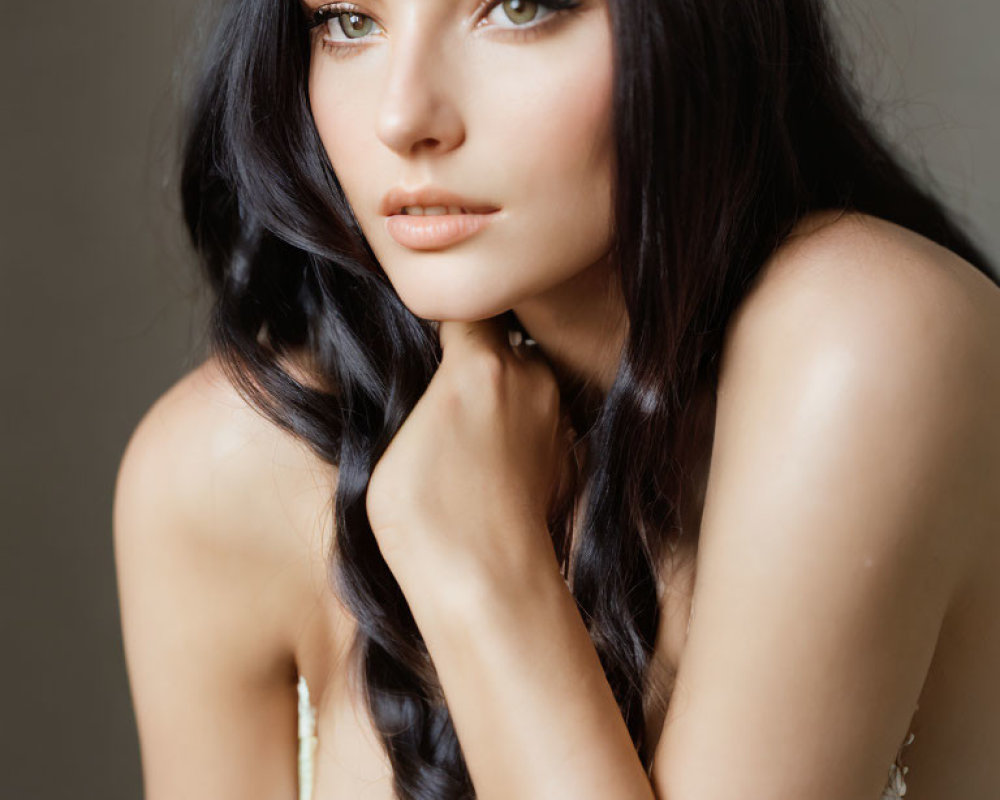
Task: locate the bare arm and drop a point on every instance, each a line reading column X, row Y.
column 833, row 542
column 530, row 702
column 829, row 560
column 205, row 594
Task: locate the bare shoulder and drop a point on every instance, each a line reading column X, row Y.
column 856, row 254
column 859, row 269
column 855, row 308
column 222, row 464
column 219, row 521
column 848, row 499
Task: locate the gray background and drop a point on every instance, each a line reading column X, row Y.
column 103, row 310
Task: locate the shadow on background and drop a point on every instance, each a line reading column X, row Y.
column 103, row 309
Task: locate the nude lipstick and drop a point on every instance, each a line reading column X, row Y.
column 431, row 218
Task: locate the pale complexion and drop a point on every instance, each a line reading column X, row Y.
column 453, row 94
column 435, row 96
column 458, row 506
column 850, row 501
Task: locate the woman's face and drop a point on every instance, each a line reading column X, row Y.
column 506, row 104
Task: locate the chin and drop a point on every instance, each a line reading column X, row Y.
column 460, row 308
column 465, row 294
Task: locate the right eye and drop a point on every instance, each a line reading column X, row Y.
column 343, row 19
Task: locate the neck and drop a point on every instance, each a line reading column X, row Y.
column 580, row 326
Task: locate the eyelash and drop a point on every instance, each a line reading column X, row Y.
column 520, row 33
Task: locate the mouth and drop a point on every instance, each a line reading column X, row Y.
column 441, row 211
column 435, row 228
column 429, row 200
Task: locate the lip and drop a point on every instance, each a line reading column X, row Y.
column 398, row 197
column 436, row 231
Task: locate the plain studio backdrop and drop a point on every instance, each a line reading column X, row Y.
column 102, row 309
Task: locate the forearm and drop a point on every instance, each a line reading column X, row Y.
column 531, row 705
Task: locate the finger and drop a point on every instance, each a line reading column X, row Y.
column 489, row 333
column 564, row 491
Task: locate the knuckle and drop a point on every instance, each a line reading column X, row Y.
column 489, row 367
column 548, row 388
column 477, row 378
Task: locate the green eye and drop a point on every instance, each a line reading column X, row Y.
column 354, row 25
column 520, row 11
column 342, row 23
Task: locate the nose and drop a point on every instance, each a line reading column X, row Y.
column 417, row 112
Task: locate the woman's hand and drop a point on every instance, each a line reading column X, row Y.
column 466, row 485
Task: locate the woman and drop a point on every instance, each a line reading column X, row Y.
column 753, row 351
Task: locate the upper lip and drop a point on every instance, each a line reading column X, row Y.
column 398, row 197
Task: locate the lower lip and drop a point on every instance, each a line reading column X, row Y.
column 434, row 231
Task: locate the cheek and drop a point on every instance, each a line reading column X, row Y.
column 537, row 125
column 344, row 120
column 558, row 151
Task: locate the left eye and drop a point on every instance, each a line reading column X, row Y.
column 352, row 24
column 520, row 12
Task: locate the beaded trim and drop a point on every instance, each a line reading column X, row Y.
column 897, row 772
column 307, row 740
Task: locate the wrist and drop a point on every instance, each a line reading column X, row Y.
column 462, row 591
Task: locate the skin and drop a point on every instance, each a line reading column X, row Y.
column 445, row 99
column 458, row 506
column 848, row 523
column 222, row 527
column 469, row 459
column 443, row 93
column 525, row 125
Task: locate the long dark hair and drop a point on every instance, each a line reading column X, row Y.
column 733, row 119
